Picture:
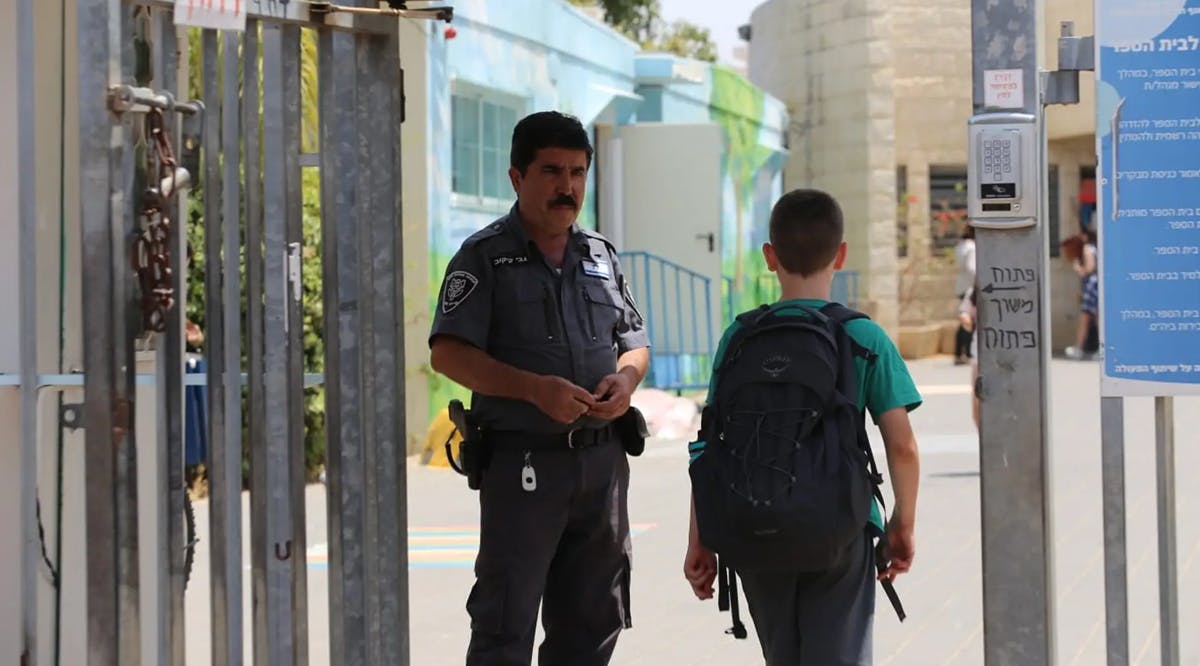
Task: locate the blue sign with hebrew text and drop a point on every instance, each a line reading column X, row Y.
column 1148, row 143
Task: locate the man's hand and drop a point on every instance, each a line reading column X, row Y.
column 898, row 550
column 612, row 396
column 700, row 569
column 560, row 399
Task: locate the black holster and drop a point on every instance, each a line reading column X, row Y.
column 631, row 429
column 472, row 452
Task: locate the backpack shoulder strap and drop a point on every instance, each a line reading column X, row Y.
column 843, row 315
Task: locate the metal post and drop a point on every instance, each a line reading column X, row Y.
column 254, row 327
column 168, row 351
column 99, row 31
column 366, row 199
column 171, row 366
column 27, row 193
column 226, row 451
column 343, row 391
column 293, row 231
column 126, row 325
column 383, row 386
column 1116, row 592
column 277, row 639
column 1015, row 482
column 1168, row 570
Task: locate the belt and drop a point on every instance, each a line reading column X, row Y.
column 580, row 438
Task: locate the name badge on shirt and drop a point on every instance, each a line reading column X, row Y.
column 598, row 268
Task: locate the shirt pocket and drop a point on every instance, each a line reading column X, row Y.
column 529, row 315
column 602, row 312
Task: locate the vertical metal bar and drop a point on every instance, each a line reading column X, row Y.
column 168, row 375
column 214, row 348
column 383, row 391
column 695, row 325
column 347, row 606
column 27, row 212
column 294, row 211
column 172, row 391
column 708, row 322
column 666, row 304
column 649, row 300
column 279, row 630
column 254, row 326
column 98, row 27
column 1116, row 594
column 126, row 326
column 679, row 309
column 366, row 200
column 1015, row 473
column 1168, row 569
column 227, row 494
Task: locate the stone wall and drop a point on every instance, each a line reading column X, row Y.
column 832, row 62
column 874, row 86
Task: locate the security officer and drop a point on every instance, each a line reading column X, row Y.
column 535, row 317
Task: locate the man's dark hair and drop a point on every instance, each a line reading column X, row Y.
column 806, row 231
column 547, row 129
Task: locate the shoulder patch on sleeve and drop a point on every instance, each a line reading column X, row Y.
column 459, row 286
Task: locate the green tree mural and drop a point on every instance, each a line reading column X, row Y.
column 737, row 106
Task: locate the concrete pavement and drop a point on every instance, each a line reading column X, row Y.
column 942, row 594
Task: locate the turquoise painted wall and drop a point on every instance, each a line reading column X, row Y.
column 753, row 126
column 545, row 54
column 538, row 55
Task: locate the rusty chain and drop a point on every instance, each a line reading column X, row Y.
column 151, row 247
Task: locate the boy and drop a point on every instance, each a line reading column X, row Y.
column 825, row 617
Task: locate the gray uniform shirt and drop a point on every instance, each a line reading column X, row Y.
column 501, row 295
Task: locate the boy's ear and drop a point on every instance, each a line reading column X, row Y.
column 841, row 256
column 768, row 251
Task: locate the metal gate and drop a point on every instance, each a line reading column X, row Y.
column 141, row 152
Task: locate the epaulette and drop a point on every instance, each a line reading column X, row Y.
column 600, row 237
column 490, row 231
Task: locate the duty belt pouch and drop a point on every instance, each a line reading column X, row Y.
column 631, row 428
column 472, row 453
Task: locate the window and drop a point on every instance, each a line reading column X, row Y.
column 481, row 135
column 947, row 205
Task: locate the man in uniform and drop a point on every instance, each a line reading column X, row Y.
column 535, row 317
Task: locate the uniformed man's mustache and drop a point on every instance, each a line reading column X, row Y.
column 563, row 200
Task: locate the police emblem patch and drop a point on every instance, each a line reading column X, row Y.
column 459, row 286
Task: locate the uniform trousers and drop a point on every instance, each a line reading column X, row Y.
column 563, row 545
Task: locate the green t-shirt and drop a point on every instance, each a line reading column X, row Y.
column 883, row 384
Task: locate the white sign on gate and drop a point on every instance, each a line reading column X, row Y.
column 216, row 14
column 1004, row 89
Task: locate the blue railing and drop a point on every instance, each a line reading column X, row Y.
column 677, row 305
column 765, row 289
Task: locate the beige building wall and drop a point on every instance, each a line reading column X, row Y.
column 414, row 167
column 878, row 94
column 831, row 61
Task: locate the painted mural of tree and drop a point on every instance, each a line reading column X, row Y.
column 737, row 106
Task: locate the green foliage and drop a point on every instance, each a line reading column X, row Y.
column 641, row 21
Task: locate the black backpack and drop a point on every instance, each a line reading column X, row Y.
column 786, row 476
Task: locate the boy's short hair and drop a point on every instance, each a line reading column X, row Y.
column 547, row 129
column 806, row 231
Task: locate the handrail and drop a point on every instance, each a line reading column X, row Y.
column 676, row 303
